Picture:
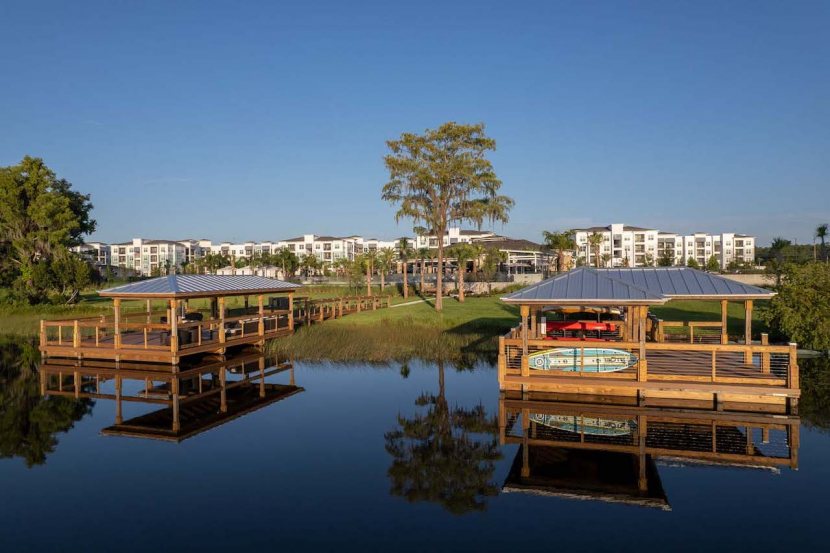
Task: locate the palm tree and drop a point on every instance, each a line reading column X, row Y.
column 560, row 242
column 606, row 257
column 777, row 249
column 370, row 256
column 423, row 254
column 404, row 253
column 821, row 234
column 463, row 253
column 184, row 264
column 386, row 257
column 595, row 241
column 288, row 261
column 478, row 253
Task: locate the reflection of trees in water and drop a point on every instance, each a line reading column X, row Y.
column 28, row 421
column 814, row 405
column 445, row 455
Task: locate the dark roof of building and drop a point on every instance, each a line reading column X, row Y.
column 608, row 228
column 199, row 285
column 640, row 286
column 506, row 243
column 152, row 242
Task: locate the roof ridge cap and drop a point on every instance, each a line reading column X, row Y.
column 646, row 291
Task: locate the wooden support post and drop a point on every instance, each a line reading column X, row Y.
column 119, row 419
column 291, row 311
column 42, row 332
column 524, row 311
column 642, row 434
column 116, row 304
column 765, row 355
column 525, row 445
column 76, row 334
column 223, row 394
column 724, row 336
column 174, row 326
column 792, row 367
column 642, row 363
column 339, row 308
column 502, row 367
column 714, row 365
column 260, row 301
column 322, row 313
column 532, row 333
column 748, row 330
column 221, row 304
column 174, row 388
column 76, row 377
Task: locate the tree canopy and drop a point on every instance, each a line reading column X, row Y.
column 443, row 177
column 801, row 309
column 41, row 217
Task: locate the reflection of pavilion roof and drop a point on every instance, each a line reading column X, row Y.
column 586, row 474
column 202, row 414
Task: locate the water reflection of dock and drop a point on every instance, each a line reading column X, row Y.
column 609, row 449
column 198, row 398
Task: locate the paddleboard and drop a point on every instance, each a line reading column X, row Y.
column 597, row 360
column 593, row 426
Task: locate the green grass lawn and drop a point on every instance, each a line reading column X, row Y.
column 696, row 310
column 25, row 320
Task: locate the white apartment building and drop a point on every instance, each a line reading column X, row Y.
column 624, row 245
column 97, row 253
column 727, row 248
column 621, row 245
column 148, row 256
column 453, row 236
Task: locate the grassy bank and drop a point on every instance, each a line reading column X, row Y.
column 462, row 333
column 24, row 320
column 462, row 330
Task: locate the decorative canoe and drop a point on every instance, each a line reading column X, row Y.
column 597, row 360
column 579, row 325
column 593, row 426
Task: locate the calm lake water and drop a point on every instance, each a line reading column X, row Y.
column 380, row 458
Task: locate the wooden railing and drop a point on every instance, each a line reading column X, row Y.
column 701, row 332
column 163, row 331
column 748, row 364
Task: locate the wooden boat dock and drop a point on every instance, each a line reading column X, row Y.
column 177, row 330
column 672, row 359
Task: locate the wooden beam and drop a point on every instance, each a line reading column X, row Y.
column 748, row 330
column 525, row 311
column 724, row 318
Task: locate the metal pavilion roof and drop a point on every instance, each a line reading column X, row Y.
column 633, row 286
column 585, row 286
column 199, row 285
column 684, row 281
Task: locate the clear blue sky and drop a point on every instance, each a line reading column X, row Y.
column 254, row 121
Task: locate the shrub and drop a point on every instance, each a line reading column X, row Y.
column 801, row 309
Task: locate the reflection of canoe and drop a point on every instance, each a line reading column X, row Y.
column 570, row 359
column 590, row 425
